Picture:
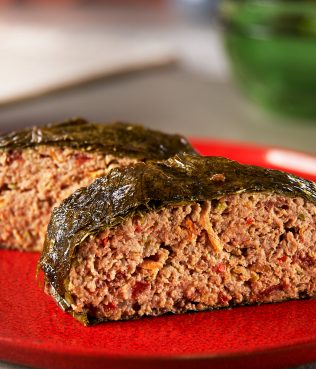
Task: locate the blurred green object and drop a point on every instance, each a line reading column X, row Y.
column 272, row 46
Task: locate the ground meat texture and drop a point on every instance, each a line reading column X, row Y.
column 245, row 248
column 35, row 180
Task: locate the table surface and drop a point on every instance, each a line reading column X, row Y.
column 170, row 99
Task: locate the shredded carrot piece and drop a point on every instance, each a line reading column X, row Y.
column 151, row 265
column 206, row 224
column 192, row 231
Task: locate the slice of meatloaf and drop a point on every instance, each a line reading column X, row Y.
column 187, row 234
column 41, row 166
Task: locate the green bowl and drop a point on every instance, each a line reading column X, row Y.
column 272, row 47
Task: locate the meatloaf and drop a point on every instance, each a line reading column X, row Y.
column 41, row 166
column 187, row 234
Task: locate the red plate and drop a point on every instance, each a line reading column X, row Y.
column 35, row 332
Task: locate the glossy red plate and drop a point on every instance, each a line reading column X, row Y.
column 35, row 332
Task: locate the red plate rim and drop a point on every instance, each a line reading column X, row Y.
column 274, row 156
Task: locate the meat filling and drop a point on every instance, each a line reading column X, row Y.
column 241, row 249
column 35, row 180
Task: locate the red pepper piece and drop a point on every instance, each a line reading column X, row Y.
column 110, row 306
column 138, row 228
column 103, row 242
column 82, row 158
column 282, row 259
column 14, row 156
column 220, row 268
column 139, row 288
column 222, row 298
column 269, row 290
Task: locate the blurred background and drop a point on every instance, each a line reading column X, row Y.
column 233, row 70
